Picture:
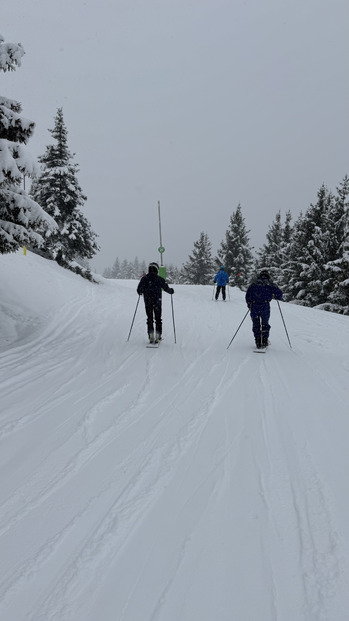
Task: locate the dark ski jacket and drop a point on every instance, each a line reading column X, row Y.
column 260, row 293
column 151, row 286
column 221, row 278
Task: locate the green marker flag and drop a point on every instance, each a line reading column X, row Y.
column 162, row 268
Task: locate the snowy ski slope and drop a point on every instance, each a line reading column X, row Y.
column 188, row 483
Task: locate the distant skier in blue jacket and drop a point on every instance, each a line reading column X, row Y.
column 222, row 279
column 258, row 297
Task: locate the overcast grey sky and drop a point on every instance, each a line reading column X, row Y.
column 200, row 104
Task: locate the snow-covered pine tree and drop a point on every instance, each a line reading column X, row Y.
column 142, row 268
column 287, row 232
column 273, row 253
column 291, row 267
column 337, row 268
column 125, row 270
column 58, row 192
column 269, row 256
column 338, row 299
column 199, row 269
column 235, row 253
column 115, row 270
column 107, row 272
column 174, row 274
column 304, row 271
column 281, row 277
column 135, row 270
column 20, row 216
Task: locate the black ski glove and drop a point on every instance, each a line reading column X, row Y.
column 171, row 291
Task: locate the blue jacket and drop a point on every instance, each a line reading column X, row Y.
column 260, row 293
column 221, row 278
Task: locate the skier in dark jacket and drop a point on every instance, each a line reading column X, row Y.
column 222, row 279
column 151, row 286
column 258, row 297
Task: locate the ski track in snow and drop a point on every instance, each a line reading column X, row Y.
column 318, row 546
column 171, row 484
column 139, row 491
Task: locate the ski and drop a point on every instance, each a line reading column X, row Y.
column 154, row 345
column 262, row 350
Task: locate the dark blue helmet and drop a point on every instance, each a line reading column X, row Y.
column 264, row 274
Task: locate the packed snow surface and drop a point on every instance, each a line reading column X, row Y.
column 194, row 482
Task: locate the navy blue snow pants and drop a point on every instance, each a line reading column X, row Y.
column 260, row 318
column 153, row 312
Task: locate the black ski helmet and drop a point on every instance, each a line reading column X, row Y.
column 264, row 274
column 153, row 268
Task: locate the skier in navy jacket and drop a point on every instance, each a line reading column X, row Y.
column 151, row 286
column 222, row 279
column 258, row 297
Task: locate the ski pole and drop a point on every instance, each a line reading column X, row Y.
column 173, row 320
column 282, row 317
column 129, row 334
column 214, row 286
column 228, row 287
column 238, row 329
